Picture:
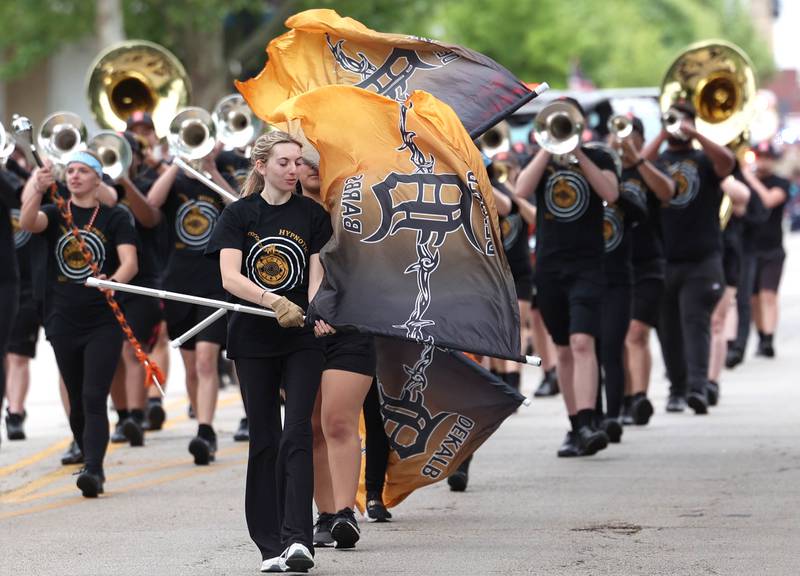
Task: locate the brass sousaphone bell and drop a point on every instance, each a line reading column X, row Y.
column 137, row 76
column 717, row 78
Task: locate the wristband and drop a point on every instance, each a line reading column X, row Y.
column 639, row 162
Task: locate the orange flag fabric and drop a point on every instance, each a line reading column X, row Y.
column 414, row 252
column 322, row 49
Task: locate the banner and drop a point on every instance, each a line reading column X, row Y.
column 322, row 49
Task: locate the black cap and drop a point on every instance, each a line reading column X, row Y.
column 766, row 149
column 571, row 100
column 140, row 118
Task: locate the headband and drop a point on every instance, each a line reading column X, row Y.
column 86, row 158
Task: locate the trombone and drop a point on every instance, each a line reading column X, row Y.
column 114, row 151
column 236, row 124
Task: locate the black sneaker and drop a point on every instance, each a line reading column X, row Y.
column 345, row 529
column 376, row 509
column 203, row 450
column 641, row 411
column 133, row 431
column 590, row 441
column 15, row 425
column 242, row 433
column 765, row 349
column 118, row 436
column 676, row 404
column 569, row 449
column 459, row 479
column 698, row 402
column 322, row 530
column 627, row 414
column 90, row 483
column 733, row 357
column 73, row 455
column 712, row 390
column 155, row 416
column 613, row 429
column 548, row 386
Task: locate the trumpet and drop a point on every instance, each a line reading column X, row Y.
column 61, row 134
column 558, row 127
column 7, row 144
column 671, row 120
column 114, row 151
column 620, row 126
column 495, row 140
column 236, row 124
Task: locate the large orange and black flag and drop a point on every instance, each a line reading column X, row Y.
column 438, row 407
column 414, row 253
column 322, row 48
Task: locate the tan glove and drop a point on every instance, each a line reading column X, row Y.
column 289, row 314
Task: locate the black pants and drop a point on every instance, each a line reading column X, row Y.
column 280, row 466
column 87, row 362
column 377, row 443
column 691, row 292
column 617, row 310
column 747, row 279
column 9, row 299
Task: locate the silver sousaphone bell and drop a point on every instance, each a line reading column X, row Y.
column 114, row 151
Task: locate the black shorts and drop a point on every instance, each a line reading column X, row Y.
column 731, row 264
column 181, row 316
column 647, row 294
column 570, row 302
column 351, row 352
column 524, row 287
column 25, row 332
column 769, row 269
column 144, row 315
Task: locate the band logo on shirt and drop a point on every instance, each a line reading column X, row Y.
column 276, row 263
column 566, row 195
column 71, row 262
column 687, row 180
column 195, row 222
column 21, row 237
column 613, row 228
column 634, row 187
column 510, row 227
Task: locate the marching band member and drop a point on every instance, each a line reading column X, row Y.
column 569, row 275
column 191, row 211
column 655, row 188
column 268, row 246
column 692, row 245
column 79, row 324
column 347, row 375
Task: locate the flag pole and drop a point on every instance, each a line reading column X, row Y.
column 538, row 91
column 191, row 332
column 178, row 297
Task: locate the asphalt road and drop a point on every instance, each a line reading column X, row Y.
column 685, row 495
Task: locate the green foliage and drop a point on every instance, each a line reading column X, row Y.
column 30, row 30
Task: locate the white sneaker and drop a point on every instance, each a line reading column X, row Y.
column 277, row 564
column 297, row 558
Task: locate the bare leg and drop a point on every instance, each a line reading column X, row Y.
column 18, row 377
column 160, row 355
column 62, row 392
column 206, row 359
column 638, row 358
column 767, row 319
column 566, row 377
column 719, row 344
column 135, row 390
column 190, row 367
column 542, row 343
column 585, row 371
column 343, row 396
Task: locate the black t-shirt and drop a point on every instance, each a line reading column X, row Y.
column 231, row 163
column 515, row 238
column 149, row 269
column 70, row 306
column 192, row 211
column 647, row 253
column 10, row 186
column 277, row 243
column 769, row 235
column 618, row 220
column 569, row 215
column 690, row 222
